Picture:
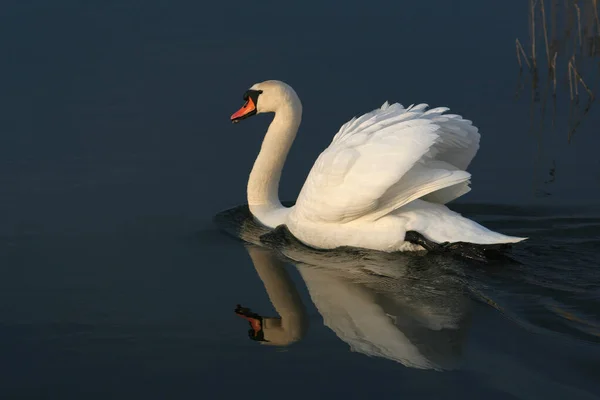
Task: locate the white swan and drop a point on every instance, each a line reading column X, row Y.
column 385, row 173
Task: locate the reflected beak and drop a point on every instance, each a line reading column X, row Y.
column 256, row 326
column 248, row 110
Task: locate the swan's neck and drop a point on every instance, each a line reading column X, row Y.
column 263, row 185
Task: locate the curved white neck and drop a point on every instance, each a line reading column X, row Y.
column 263, row 185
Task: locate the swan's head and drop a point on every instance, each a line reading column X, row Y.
column 269, row 331
column 264, row 97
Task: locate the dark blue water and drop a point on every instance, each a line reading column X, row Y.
column 116, row 152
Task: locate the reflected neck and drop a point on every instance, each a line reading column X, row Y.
column 292, row 323
column 263, row 184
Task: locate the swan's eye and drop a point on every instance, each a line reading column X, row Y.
column 252, row 94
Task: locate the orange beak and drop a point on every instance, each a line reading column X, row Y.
column 246, row 111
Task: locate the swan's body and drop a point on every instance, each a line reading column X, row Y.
column 385, row 173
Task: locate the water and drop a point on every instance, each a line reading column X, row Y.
column 116, row 153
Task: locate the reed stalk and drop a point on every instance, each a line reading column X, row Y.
column 596, row 15
column 553, row 70
column 579, row 24
column 520, row 47
column 532, row 4
column 579, row 78
column 545, row 31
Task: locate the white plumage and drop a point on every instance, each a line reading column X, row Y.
column 384, row 173
column 386, row 158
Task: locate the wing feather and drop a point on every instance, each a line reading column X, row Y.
column 386, row 158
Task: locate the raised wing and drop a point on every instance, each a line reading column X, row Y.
column 386, row 158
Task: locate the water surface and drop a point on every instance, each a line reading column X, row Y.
column 116, row 152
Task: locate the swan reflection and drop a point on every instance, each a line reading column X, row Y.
column 292, row 323
column 407, row 308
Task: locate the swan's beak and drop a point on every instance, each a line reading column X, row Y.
column 248, row 110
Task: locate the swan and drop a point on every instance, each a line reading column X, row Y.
column 385, row 173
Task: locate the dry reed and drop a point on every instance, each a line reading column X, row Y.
column 572, row 51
